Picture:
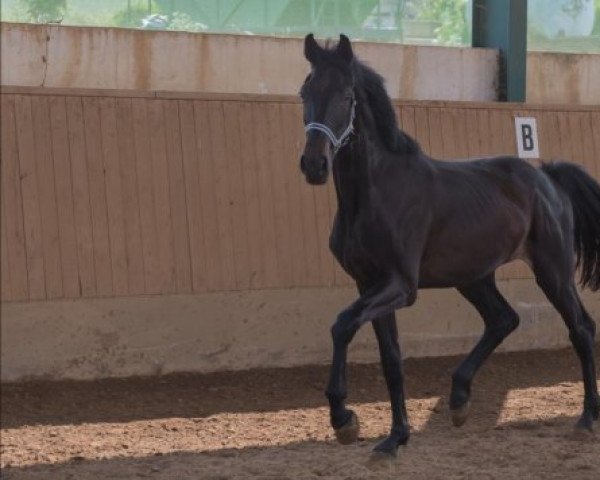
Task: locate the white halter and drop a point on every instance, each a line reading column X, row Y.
column 335, row 141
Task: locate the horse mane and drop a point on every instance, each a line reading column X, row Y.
column 372, row 85
column 384, row 116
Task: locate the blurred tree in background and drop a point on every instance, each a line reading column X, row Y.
column 133, row 12
column 43, row 11
column 557, row 25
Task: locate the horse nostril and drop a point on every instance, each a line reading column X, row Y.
column 323, row 163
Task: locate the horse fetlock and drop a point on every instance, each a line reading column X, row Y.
column 593, row 407
column 461, row 414
column 461, row 391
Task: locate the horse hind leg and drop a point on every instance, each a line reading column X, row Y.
column 500, row 320
column 559, row 287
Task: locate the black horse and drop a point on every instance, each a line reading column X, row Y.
column 406, row 221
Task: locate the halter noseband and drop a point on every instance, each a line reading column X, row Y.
column 335, row 141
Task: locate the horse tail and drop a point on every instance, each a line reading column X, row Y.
column 584, row 193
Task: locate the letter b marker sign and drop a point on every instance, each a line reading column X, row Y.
column 527, row 139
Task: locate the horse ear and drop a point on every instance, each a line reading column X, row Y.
column 311, row 48
column 344, row 48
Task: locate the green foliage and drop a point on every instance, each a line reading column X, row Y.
column 42, row 11
column 14, row 11
column 132, row 17
column 573, row 8
column 450, row 14
column 596, row 30
column 183, row 22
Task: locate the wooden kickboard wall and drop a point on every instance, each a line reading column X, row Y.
column 112, row 193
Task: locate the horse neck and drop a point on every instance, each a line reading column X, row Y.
column 353, row 176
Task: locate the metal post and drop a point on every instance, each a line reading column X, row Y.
column 502, row 24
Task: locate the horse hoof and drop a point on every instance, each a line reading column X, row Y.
column 348, row 433
column 381, row 459
column 460, row 415
column 387, row 448
column 585, row 425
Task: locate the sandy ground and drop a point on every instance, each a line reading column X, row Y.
column 274, row 424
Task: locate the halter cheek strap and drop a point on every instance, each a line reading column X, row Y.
column 335, row 141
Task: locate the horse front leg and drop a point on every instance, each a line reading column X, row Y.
column 378, row 301
column 386, row 332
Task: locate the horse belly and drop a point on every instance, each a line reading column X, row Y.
column 448, row 263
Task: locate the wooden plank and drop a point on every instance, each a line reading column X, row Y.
column 575, row 138
column 193, row 198
column 587, row 142
column 237, row 196
column 145, row 187
column 460, row 128
column 300, row 200
column 30, row 193
column 566, row 144
column 249, row 164
column 473, row 143
column 222, row 194
column 114, row 196
column 64, row 197
column 407, row 121
column 553, row 142
column 130, row 197
column 47, row 196
column 436, row 144
column 178, row 199
column 484, row 133
column 497, row 141
column 596, row 131
column 95, row 166
column 509, row 142
column 268, row 240
column 454, row 134
column 214, row 277
column 284, row 238
column 12, row 203
column 449, row 135
column 422, row 128
column 5, row 283
column 304, row 260
column 543, row 133
column 160, row 171
column 82, row 209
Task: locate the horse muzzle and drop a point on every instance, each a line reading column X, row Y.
column 315, row 169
